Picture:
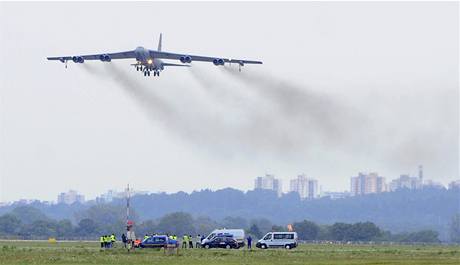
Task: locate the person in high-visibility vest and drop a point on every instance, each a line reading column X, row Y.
column 174, row 237
column 113, row 239
column 184, row 241
column 106, row 245
column 101, row 240
column 146, row 236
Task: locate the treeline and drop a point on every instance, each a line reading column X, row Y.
column 29, row 223
column 359, row 232
column 397, row 212
column 404, row 207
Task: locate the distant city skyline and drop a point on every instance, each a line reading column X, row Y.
column 306, row 187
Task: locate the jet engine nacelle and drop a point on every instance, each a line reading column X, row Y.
column 218, row 61
column 185, row 59
column 78, row 59
column 105, row 58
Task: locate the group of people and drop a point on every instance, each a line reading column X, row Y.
column 187, row 241
column 107, row 241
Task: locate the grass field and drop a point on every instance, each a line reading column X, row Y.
column 24, row 252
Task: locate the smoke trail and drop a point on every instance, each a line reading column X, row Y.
column 250, row 123
column 259, row 127
column 317, row 114
column 195, row 125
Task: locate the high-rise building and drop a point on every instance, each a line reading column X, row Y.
column 367, row 183
column 307, row 188
column 111, row 195
column 406, row 182
column 268, row 182
column 70, row 197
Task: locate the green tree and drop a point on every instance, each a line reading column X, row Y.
column 340, row 231
column 9, row 224
column 324, row 232
column 42, row 228
column 255, row 231
column 263, row 224
column 366, row 231
column 147, row 227
column 64, row 228
column 108, row 217
column 306, row 230
column 87, row 227
column 205, row 225
column 178, row 223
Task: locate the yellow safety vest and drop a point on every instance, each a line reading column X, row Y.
column 101, row 239
column 112, row 237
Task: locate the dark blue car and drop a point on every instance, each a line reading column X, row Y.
column 157, row 242
column 221, row 242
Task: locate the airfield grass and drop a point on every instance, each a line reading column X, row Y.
column 28, row 252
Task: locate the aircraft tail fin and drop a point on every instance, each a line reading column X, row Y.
column 159, row 43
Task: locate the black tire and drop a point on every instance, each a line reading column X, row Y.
column 206, row 246
column 288, row 247
column 228, row 247
column 263, row 246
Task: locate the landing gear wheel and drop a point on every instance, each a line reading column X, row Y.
column 145, row 73
column 148, row 73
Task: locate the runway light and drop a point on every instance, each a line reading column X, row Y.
column 149, row 61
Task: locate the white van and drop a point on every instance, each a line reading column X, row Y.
column 286, row 240
column 237, row 234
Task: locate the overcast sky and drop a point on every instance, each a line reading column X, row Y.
column 344, row 88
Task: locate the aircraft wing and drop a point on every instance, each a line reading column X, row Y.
column 175, row 64
column 177, row 56
column 116, row 55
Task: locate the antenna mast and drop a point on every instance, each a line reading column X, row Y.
column 127, row 204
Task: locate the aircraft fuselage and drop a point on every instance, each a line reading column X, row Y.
column 146, row 62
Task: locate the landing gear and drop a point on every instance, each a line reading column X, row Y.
column 156, row 73
column 145, row 73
